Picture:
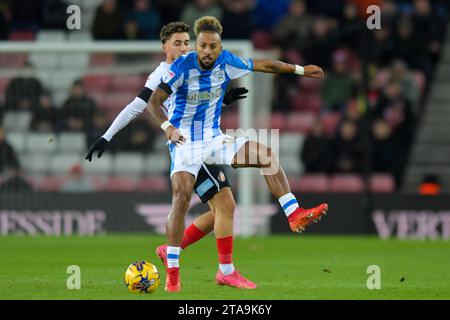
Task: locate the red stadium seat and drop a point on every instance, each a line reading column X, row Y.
column 3, row 85
column 382, row 183
column 102, row 59
column 307, row 102
column 309, row 85
column 347, row 183
column 14, row 60
column 100, row 98
column 21, row 36
column 229, row 120
column 314, row 183
column 294, row 57
column 278, row 121
column 330, row 121
column 153, row 184
column 262, row 39
column 49, row 183
column 119, row 184
column 95, row 83
column 300, row 122
column 119, row 100
column 132, row 83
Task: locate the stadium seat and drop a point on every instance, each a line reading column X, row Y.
column 49, row 183
column 79, row 35
column 72, row 142
column 102, row 59
column 133, row 83
column 382, row 183
column 4, row 81
column 291, row 144
column 352, row 183
column 307, row 102
column 262, row 39
column 127, row 163
column 17, row 140
column 78, row 61
column 153, row 184
column 41, row 143
column 157, row 163
column 294, row 57
column 51, row 36
column 330, row 121
column 21, row 36
column 120, row 184
column 44, row 60
column 100, row 167
column 278, row 121
column 62, row 163
column 309, row 85
column 118, row 101
column 95, row 83
column 16, row 121
column 291, row 165
column 314, row 183
column 229, row 120
column 12, row 60
column 35, row 163
column 300, row 122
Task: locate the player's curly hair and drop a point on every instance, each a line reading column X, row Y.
column 207, row 23
column 173, row 27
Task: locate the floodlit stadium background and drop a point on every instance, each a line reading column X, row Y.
column 372, row 139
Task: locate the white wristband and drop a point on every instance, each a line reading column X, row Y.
column 165, row 125
column 299, row 70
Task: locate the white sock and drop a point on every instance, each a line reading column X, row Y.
column 173, row 257
column 226, row 268
column 289, row 203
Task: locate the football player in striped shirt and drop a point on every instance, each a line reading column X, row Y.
column 196, row 83
column 212, row 184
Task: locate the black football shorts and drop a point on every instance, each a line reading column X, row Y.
column 210, row 179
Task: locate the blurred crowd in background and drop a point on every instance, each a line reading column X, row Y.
column 358, row 122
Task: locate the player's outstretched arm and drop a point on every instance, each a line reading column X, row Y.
column 276, row 66
column 160, row 119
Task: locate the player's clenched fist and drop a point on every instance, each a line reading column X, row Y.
column 174, row 135
column 313, row 71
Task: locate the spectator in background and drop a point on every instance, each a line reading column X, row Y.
column 99, row 126
column 5, row 20
column 143, row 22
column 350, row 27
column 339, row 85
column 347, row 153
column 138, row 137
column 54, row 15
column 44, row 115
column 201, row 8
column 294, row 27
column 15, row 181
column 26, row 15
column 237, row 19
column 78, row 110
column 23, row 92
column 401, row 75
column 8, row 157
column 383, row 147
column 316, row 49
column 382, row 46
column 77, row 181
column 267, row 13
column 169, row 10
column 108, row 22
column 316, row 152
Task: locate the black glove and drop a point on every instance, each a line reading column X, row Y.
column 100, row 145
column 234, row 94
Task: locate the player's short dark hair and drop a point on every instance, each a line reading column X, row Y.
column 208, row 24
column 173, row 27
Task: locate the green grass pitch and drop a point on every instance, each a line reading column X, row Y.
column 284, row 267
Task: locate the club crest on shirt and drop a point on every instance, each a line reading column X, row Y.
column 220, row 75
column 168, row 76
column 221, row 176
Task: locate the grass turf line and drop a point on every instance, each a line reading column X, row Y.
column 283, row 267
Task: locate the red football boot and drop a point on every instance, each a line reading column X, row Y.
column 301, row 218
column 234, row 279
column 173, row 282
column 161, row 252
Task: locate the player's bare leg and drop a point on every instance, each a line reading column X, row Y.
column 182, row 186
column 223, row 205
column 254, row 154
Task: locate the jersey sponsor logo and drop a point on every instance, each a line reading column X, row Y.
column 204, row 95
column 168, row 76
column 221, row 176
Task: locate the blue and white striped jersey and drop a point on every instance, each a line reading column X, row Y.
column 197, row 95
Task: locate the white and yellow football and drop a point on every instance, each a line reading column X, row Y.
column 142, row 277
